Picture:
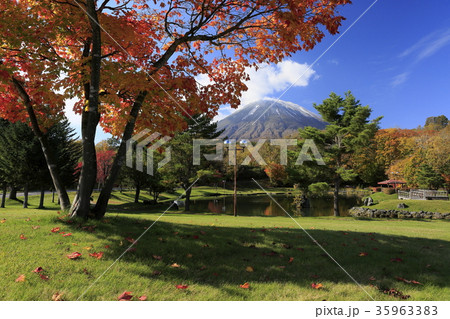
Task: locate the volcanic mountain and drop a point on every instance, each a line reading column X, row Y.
column 268, row 118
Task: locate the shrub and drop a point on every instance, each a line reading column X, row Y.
column 388, row 191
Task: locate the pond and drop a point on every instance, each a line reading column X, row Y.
column 263, row 205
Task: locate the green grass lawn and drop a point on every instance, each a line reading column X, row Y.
column 384, row 201
column 214, row 254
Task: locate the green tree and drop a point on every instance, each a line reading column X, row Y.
column 436, row 122
column 347, row 132
column 428, row 178
column 181, row 167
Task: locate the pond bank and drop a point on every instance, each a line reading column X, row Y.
column 382, row 213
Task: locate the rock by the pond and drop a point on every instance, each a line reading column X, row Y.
column 368, row 201
column 401, row 214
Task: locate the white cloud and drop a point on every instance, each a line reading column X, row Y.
column 271, row 79
column 428, row 45
column 74, row 119
column 399, row 79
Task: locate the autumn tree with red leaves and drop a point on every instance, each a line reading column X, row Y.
column 132, row 65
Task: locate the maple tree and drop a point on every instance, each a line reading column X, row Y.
column 132, row 65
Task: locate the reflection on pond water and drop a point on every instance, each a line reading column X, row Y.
column 264, row 206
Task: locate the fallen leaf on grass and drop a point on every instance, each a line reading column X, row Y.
column 87, row 248
column 181, row 286
column 66, row 235
column 175, row 265
column 35, row 227
column 396, row 259
column 362, row 254
column 189, row 255
column 143, row 298
column 28, row 219
column 249, row 269
column 38, row 269
column 195, row 237
column 57, row 296
column 107, row 246
column 21, row 278
column 245, row 286
column 202, row 267
column 316, row 286
column 43, row 277
column 131, row 249
column 131, row 240
column 74, row 255
column 408, row 281
column 125, row 296
column 157, row 257
column 372, row 278
column 98, row 255
column 55, row 230
column 3, row 220
column 156, row 273
column 22, row 236
column 281, row 267
column 291, row 259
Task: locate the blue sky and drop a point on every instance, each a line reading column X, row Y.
column 396, row 59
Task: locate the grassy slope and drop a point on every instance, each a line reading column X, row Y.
column 385, row 201
column 224, row 247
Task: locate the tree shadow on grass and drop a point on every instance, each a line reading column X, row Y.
column 214, row 256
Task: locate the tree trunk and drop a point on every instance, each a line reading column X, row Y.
column 90, row 118
column 336, row 196
column 41, row 200
column 4, row 190
column 13, row 193
column 48, row 153
column 187, row 202
column 138, row 192
column 105, row 194
column 25, row 197
column 53, row 195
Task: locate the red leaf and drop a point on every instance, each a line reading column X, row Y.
column 68, row 234
column 181, row 286
column 55, row 230
column 362, row 254
column 131, row 240
column 396, row 259
column 126, row 295
column 97, row 255
column 157, row 257
column 316, row 286
column 22, row 236
column 245, row 286
column 43, row 277
column 21, row 278
column 195, row 237
column 143, row 298
column 291, row 259
column 38, row 269
column 74, row 255
column 107, row 246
